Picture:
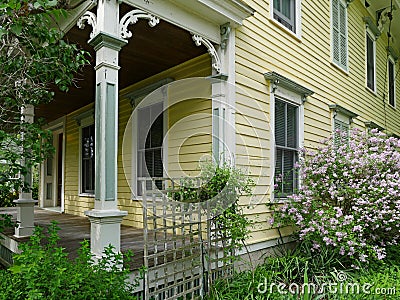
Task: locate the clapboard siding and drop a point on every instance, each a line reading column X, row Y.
column 263, row 46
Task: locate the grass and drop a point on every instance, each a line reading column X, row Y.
column 299, row 274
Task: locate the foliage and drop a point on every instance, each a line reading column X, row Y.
column 295, row 274
column 350, row 197
column 219, row 188
column 5, row 221
column 34, row 59
column 43, row 271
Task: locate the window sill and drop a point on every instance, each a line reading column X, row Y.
column 86, row 195
column 392, row 107
column 295, row 35
column 339, row 68
column 371, row 91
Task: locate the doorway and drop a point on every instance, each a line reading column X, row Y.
column 52, row 196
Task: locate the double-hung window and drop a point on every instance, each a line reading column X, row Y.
column 339, row 33
column 287, row 113
column 87, row 159
column 391, row 82
column 150, row 143
column 287, row 143
column 370, row 57
column 284, row 11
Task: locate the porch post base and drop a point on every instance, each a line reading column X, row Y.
column 25, row 217
column 105, row 229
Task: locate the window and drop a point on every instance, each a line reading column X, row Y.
column 150, row 143
column 341, row 131
column 391, row 82
column 286, row 140
column 339, row 33
column 287, row 120
column 370, row 57
column 285, row 13
column 342, row 119
column 87, row 159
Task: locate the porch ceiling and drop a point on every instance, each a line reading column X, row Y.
column 376, row 6
column 149, row 51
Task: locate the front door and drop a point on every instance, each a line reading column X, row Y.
column 52, row 195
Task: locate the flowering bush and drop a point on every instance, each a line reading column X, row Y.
column 349, row 199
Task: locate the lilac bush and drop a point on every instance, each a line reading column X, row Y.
column 349, row 199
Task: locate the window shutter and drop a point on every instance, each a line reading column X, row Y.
column 339, row 33
column 342, row 127
column 280, row 123
column 291, row 131
column 343, row 34
column 335, row 31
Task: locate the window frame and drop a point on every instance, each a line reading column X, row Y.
column 342, row 115
column 136, row 103
column 297, row 18
column 369, row 34
column 333, row 60
column 392, row 61
column 86, row 122
column 282, row 94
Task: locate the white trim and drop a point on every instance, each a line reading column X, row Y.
column 292, row 98
column 85, row 122
column 345, row 68
column 180, row 17
column 372, row 36
column 393, row 61
column 57, row 127
column 297, row 32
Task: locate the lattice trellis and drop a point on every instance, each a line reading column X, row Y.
column 183, row 252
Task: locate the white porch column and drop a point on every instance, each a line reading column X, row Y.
column 106, row 218
column 25, row 203
column 223, row 98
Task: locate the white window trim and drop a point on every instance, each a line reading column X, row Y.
column 373, row 38
column 393, row 61
column 341, row 114
column 298, row 31
column 344, row 68
column 87, row 121
column 56, row 125
column 137, row 101
column 296, row 99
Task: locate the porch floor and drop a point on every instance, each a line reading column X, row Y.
column 75, row 229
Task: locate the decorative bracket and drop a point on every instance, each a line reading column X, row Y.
column 225, row 31
column 199, row 40
column 91, row 19
column 131, row 18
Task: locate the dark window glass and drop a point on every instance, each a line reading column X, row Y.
column 370, row 63
column 284, row 13
column 88, row 160
column 391, row 84
column 286, row 139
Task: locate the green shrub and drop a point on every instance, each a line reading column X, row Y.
column 302, row 274
column 43, row 271
column 218, row 190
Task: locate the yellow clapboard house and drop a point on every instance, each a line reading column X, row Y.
column 252, row 80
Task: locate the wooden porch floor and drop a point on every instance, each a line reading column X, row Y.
column 75, row 229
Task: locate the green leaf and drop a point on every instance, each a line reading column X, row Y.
column 2, row 32
column 36, row 5
column 16, row 29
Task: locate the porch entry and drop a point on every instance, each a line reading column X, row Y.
column 52, row 170
column 184, row 253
